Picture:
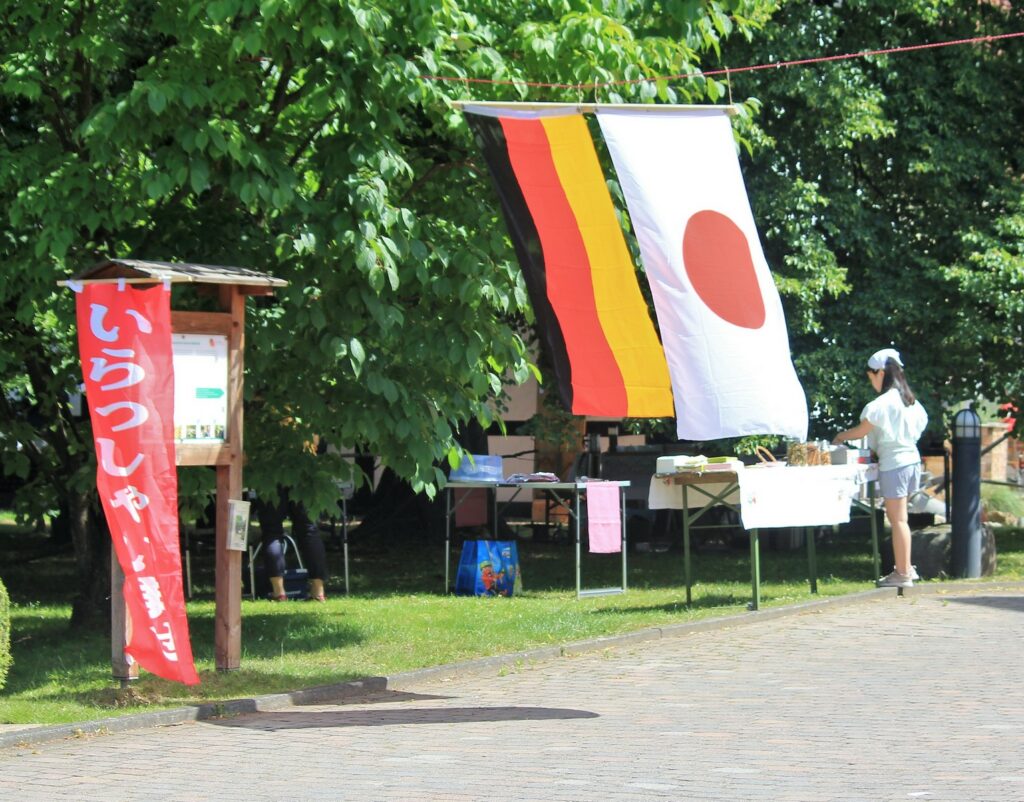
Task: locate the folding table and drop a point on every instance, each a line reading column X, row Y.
column 565, row 494
column 791, row 505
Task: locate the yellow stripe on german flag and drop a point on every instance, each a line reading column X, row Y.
column 594, row 321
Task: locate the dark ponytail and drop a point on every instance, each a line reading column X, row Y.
column 894, row 377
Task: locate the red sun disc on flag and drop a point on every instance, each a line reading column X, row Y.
column 717, row 258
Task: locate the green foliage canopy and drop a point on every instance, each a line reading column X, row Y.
column 297, row 138
column 888, row 190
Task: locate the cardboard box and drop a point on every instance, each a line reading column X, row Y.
column 850, row 456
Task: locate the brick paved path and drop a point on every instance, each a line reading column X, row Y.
column 921, row 698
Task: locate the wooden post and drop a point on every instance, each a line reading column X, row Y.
column 228, row 591
column 120, row 626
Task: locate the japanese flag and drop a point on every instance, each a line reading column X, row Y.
column 719, row 313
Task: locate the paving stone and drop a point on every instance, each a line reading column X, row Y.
column 886, row 699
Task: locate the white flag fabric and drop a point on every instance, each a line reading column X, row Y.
column 720, row 316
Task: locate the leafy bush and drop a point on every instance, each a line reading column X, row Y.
column 5, row 634
column 1004, row 499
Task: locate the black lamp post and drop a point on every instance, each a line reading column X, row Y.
column 966, row 533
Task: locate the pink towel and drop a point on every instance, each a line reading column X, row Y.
column 604, row 517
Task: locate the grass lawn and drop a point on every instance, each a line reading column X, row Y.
column 396, row 618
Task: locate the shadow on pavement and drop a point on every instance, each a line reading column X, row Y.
column 271, row 722
column 1015, row 603
column 722, row 600
column 374, row 697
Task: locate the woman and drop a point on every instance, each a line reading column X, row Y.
column 893, row 423
column 306, row 535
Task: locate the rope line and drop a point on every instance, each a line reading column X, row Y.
column 727, row 70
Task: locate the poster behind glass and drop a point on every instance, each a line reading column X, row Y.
column 200, row 388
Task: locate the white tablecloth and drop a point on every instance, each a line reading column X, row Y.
column 774, row 497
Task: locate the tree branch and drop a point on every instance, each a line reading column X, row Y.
column 282, row 97
column 311, row 138
column 279, row 101
column 469, row 163
column 82, row 68
column 59, row 121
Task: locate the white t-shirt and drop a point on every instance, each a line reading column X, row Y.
column 897, row 430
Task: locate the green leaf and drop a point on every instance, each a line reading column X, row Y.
column 357, row 355
column 157, row 99
column 200, row 176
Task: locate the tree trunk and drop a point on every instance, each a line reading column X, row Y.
column 89, row 533
column 60, row 527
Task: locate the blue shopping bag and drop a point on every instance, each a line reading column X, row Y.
column 488, row 568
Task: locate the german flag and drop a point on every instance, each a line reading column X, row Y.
column 593, row 321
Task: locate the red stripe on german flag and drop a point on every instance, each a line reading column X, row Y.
column 593, row 318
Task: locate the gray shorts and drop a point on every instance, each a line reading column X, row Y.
column 900, row 483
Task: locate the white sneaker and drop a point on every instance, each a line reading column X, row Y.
column 913, row 573
column 895, row 580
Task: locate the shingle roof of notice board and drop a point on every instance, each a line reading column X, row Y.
column 176, row 272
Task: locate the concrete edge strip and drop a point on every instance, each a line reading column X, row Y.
column 354, row 689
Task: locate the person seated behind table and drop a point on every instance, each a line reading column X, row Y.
column 306, row 535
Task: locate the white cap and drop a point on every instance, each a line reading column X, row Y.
column 877, row 360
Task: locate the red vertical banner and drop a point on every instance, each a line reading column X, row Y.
column 124, row 340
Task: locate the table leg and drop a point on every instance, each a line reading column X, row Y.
column 755, row 570
column 625, row 544
column 874, row 531
column 447, row 534
column 812, row 558
column 344, row 539
column 576, row 516
column 686, row 544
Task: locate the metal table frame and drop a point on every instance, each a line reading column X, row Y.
column 731, row 480
column 566, row 495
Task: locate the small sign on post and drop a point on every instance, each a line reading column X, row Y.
column 238, row 524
